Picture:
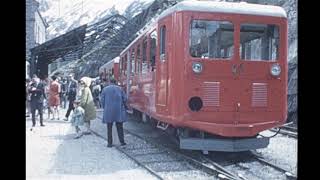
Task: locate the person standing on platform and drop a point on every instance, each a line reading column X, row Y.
column 37, row 96
column 96, row 90
column 77, row 118
column 54, row 97
column 114, row 100
column 72, row 86
column 86, row 102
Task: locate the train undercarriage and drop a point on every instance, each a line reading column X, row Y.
column 192, row 139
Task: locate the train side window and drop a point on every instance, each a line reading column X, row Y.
column 132, row 59
column 138, row 58
column 121, row 66
column 259, row 42
column 153, row 47
column 144, row 56
column 125, row 64
column 162, row 43
column 211, row 39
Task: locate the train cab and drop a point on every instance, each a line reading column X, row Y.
column 217, row 68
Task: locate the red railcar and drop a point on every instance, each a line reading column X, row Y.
column 216, row 71
column 110, row 69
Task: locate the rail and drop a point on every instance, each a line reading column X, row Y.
column 263, row 161
column 210, row 169
column 287, row 130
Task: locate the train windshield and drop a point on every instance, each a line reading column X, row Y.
column 259, row 42
column 211, row 39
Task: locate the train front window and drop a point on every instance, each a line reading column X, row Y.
column 259, row 42
column 211, row 39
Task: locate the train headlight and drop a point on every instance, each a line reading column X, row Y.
column 275, row 70
column 197, row 67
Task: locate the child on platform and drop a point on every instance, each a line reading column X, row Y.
column 77, row 118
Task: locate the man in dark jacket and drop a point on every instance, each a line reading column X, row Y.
column 113, row 100
column 36, row 90
column 96, row 90
column 63, row 96
column 71, row 93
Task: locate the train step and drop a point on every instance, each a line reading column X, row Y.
column 162, row 125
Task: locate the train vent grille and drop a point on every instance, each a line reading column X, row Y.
column 259, row 95
column 211, row 92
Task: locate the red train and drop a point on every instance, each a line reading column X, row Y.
column 215, row 71
column 109, row 69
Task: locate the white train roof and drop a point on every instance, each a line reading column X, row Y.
column 211, row 6
column 226, row 7
column 141, row 32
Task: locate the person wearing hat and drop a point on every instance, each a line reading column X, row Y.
column 86, row 102
column 77, row 118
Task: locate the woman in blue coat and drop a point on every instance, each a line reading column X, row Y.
column 113, row 100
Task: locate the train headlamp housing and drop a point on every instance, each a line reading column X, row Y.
column 275, row 70
column 197, row 67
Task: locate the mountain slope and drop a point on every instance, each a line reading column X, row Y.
column 63, row 16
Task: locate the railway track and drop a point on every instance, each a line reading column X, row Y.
column 131, row 157
column 246, row 170
column 175, row 156
column 159, row 168
column 287, row 130
column 263, row 161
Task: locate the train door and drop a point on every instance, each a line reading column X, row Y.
column 259, row 90
column 162, row 58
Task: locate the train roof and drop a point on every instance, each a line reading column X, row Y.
column 211, row 6
column 142, row 32
column 226, row 7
